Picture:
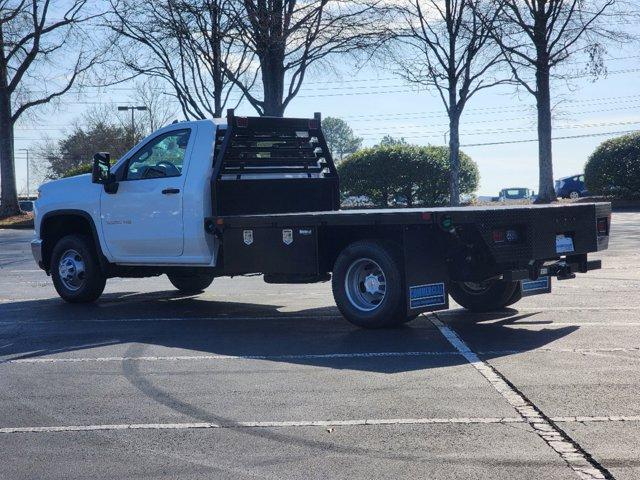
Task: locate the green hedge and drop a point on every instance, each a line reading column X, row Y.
column 79, row 170
column 614, row 168
column 406, row 174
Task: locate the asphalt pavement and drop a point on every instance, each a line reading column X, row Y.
column 250, row 380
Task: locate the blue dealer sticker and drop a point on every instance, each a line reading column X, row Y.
column 541, row 284
column 427, row 295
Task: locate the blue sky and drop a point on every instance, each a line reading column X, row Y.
column 376, row 103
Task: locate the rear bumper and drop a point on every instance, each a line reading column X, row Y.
column 36, row 251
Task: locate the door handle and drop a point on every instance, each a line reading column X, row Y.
column 170, row 191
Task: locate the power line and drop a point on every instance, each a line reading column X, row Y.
column 468, row 112
column 568, row 137
column 421, row 133
column 364, row 80
column 416, row 90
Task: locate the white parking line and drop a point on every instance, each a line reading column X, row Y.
column 303, row 356
column 235, row 357
column 576, row 458
column 304, row 423
column 283, row 316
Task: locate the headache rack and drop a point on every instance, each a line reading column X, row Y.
column 272, row 165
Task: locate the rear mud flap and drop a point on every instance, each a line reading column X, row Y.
column 428, row 297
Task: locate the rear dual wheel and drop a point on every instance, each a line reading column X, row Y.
column 367, row 285
column 485, row 296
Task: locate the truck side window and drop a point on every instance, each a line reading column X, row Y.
column 161, row 157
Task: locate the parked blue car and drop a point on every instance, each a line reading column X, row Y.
column 571, row 187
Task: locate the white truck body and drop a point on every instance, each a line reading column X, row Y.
column 260, row 195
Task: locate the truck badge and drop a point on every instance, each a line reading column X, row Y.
column 247, row 236
column 287, row 236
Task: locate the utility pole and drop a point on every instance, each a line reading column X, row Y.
column 28, row 192
column 133, row 123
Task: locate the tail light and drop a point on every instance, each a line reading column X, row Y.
column 242, row 122
column 603, row 226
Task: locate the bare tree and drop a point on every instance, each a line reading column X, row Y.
column 37, row 38
column 188, row 44
column 456, row 55
column 288, row 36
column 536, row 37
column 159, row 112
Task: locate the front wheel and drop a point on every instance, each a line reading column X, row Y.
column 484, row 296
column 75, row 269
column 194, row 283
column 367, row 285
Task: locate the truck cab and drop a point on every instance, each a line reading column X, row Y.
column 152, row 212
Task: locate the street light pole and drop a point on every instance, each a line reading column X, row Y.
column 27, row 150
column 124, row 108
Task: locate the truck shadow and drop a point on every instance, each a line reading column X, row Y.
column 131, row 325
column 192, row 326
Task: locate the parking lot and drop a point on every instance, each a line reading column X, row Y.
column 250, row 380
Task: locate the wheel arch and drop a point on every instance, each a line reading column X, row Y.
column 59, row 223
column 333, row 240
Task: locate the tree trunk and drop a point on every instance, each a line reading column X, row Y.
column 546, row 191
column 216, row 49
column 454, row 158
column 273, row 86
column 8, row 191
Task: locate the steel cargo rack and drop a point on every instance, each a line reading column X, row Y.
column 273, row 165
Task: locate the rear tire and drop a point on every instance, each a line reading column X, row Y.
column 75, row 269
column 367, row 285
column 484, row 296
column 516, row 296
column 574, row 195
column 194, row 283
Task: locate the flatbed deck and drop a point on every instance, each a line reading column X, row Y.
column 392, row 216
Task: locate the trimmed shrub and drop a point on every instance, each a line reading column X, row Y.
column 79, row 170
column 614, row 168
column 404, row 175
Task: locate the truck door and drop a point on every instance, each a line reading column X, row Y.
column 142, row 221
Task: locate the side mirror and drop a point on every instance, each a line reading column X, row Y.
column 101, row 174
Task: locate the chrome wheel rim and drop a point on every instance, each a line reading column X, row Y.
column 365, row 284
column 574, row 195
column 71, row 269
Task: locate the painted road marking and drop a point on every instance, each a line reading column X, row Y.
column 305, row 423
column 235, row 357
column 284, row 316
column 573, row 454
column 302, row 356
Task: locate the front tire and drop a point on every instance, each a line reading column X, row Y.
column 194, row 283
column 367, row 285
column 75, row 269
column 486, row 296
